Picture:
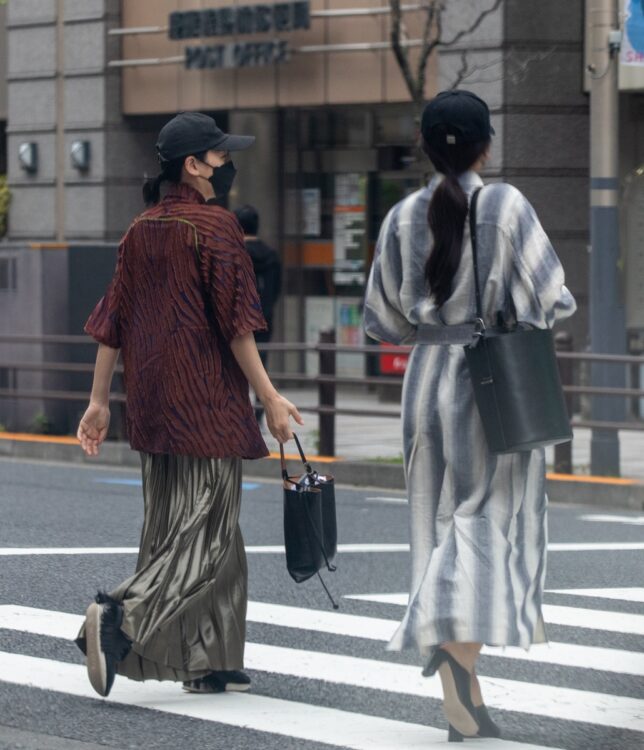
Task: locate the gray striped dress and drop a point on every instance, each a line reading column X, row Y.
column 478, row 521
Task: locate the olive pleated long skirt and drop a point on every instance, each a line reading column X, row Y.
column 185, row 607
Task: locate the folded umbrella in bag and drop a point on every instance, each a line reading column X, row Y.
column 310, row 528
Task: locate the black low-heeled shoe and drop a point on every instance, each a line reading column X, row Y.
column 453, row 735
column 487, row 728
column 457, row 704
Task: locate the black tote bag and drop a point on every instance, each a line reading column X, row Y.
column 310, row 526
column 516, row 380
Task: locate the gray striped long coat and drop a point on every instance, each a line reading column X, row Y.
column 478, row 521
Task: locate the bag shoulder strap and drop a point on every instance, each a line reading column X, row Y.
column 477, row 283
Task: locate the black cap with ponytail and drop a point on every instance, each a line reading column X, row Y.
column 456, row 131
column 447, row 212
column 170, row 172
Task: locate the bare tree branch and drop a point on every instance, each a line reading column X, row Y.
column 515, row 69
column 473, row 27
column 432, row 38
column 433, row 23
column 400, row 52
column 463, row 72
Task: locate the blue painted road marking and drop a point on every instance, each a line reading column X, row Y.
column 139, row 483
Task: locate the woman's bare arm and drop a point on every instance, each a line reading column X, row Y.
column 93, row 427
column 278, row 409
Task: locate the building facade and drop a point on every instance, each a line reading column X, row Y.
column 90, row 82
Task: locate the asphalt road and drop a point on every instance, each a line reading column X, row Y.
column 320, row 678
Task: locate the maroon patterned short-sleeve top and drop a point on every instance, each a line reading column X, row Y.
column 184, row 287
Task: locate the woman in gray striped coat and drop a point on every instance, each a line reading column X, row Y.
column 478, row 521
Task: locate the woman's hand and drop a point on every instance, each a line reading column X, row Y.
column 278, row 411
column 93, row 427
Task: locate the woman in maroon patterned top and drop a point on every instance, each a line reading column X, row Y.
column 182, row 309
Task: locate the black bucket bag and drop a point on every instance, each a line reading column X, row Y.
column 516, row 381
column 310, row 527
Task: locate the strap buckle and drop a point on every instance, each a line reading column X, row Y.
column 479, row 327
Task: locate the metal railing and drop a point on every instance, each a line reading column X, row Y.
column 327, row 382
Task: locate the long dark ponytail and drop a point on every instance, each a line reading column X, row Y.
column 170, row 172
column 447, row 213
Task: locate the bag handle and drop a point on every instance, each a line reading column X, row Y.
column 477, row 285
column 307, row 465
column 283, row 463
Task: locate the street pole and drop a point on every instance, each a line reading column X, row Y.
column 607, row 320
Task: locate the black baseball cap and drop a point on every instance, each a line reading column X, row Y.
column 455, row 117
column 192, row 133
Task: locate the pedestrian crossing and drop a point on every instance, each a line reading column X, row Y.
column 272, row 715
column 343, row 728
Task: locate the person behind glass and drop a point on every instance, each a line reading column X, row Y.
column 268, row 272
column 478, row 521
column 182, row 309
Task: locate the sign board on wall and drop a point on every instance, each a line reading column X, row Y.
column 237, row 21
column 344, row 314
column 632, row 52
column 393, row 364
column 350, row 228
column 631, row 71
column 633, row 232
column 311, row 212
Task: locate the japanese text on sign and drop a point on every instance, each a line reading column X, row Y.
column 244, row 19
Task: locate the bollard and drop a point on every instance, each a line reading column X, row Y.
column 326, row 396
column 563, row 451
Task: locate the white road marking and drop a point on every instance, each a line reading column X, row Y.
column 23, row 551
column 596, row 547
column 542, row 700
column 392, row 500
column 576, row 617
column 273, row 549
column 271, row 715
column 630, row 520
column 509, row 695
column 632, row 594
column 342, row 548
column 64, row 625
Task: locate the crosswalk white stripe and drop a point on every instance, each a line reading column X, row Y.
column 24, row 551
column 64, row 625
column 543, row 700
column 629, row 520
column 271, row 715
column 392, row 500
column 595, row 547
column 576, row 617
column 632, row 594
column 273, row 549
column 554, row 702
column 510, row 695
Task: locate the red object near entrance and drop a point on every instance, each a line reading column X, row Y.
column 393, row 364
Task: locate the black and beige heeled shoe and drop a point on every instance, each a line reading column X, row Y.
column 487, row 728
column 457, row 704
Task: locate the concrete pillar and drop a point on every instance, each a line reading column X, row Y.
column 258, row 170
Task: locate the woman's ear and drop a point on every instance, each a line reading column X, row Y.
column 190, row 166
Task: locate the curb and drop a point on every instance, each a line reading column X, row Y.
column 604, row 492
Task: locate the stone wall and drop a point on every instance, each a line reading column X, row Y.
column 546, row 143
